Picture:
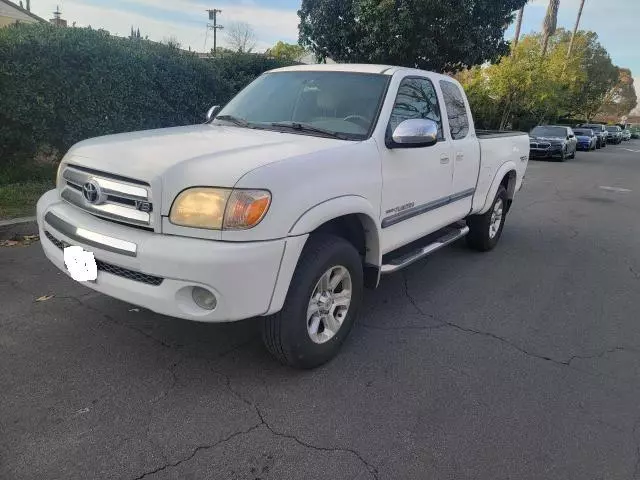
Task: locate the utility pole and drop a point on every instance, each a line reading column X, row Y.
column 213, row 16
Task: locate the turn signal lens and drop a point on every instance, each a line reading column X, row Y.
column 246, row 208
column 200, row 208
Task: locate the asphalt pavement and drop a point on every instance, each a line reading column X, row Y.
column 523, row 363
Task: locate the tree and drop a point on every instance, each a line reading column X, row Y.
column 575, row 28
column 286, row 51
column 550, row 24
column 622, row 98
column 241, row 37
column 602, row 75
column 172, row 42
column 430, row 34
column 526, row 88
column 518, row 28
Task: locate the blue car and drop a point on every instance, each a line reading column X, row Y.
column 587, row 139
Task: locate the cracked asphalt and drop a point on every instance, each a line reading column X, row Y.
column 522, row 363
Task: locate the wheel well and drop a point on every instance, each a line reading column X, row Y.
column 509, row 183
column 361, row 231
column 348, row 227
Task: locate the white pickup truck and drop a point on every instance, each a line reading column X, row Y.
column 306, row 187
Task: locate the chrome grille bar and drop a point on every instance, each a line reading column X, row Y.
column 118, row 200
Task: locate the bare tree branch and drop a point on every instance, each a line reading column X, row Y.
column 241, row 37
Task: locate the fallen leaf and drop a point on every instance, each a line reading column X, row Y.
column 44, row 298
column 134, row 309
column 8, row 243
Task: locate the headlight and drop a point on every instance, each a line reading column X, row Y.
column 220, row 208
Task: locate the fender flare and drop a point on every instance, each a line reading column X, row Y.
column 497, row 180
column 337, row 207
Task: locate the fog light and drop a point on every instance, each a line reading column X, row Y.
column 204, row 298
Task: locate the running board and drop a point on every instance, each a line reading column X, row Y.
column 450, row 236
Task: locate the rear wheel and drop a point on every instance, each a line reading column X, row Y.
column 485, row 230
column 321, row 305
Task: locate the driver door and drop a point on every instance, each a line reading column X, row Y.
column 417, row 182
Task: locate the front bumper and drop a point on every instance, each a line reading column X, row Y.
column 552, row 152
column 158, row 272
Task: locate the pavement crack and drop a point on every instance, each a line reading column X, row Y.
column 195, row 451
column 602, row 354
column 263, row 422
column 635, row 274
column 124, row 325
column 413, row 300
column 506, row 341
column 401, row 327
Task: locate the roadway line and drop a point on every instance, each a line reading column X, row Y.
column 615, row 189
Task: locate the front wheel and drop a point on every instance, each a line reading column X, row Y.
column 321, row 305
column 485, row 230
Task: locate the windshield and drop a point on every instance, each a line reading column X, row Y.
column 583, row 133
column 549, row 132
column 612, row 129
column 339, row 102
column 595, row 128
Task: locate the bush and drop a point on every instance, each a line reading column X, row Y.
column 62, row 85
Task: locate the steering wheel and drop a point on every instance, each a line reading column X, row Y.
column 358, row 120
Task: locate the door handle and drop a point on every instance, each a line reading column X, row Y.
column 444, row 159
column 459, row 156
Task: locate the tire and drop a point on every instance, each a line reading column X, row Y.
column 479, row 237
column 573, row 155
column 286, row 334
column 563, row 157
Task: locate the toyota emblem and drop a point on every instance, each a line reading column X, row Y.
column 92, row 192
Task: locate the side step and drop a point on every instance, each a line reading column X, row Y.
column 404, row 259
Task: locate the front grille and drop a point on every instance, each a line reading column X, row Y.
column 112, row 197
column 113, row 269
column 540, row 146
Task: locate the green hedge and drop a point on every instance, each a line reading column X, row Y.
column 61, row 85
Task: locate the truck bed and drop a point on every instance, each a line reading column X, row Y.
column 498, row 133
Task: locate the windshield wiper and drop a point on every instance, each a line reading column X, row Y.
column 241, row 122
column 305, row 127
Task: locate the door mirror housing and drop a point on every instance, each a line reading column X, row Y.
column 571, row 136
column 414, row 133
column 212, row 112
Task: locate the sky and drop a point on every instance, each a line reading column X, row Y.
column 615, row 21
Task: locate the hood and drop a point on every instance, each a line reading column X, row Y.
column 204, row 154
column 547, row 139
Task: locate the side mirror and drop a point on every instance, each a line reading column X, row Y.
column 414, row 133
column 571, row 136
column 212, row 112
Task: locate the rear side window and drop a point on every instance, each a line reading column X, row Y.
column 456, row 110
column 416, row 98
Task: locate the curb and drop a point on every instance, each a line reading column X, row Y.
column 9, row 229
column 16, row 221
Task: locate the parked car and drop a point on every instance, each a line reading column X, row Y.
column 635, row 132
column 552, row 141
column 307, row 186
column 600, row 131
column 587, row 139
column 615, row 134
column 626, row 134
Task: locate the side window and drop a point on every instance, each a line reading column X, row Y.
column 456, row 110
column 416, row 98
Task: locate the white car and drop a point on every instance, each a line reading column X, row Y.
column 306, row 187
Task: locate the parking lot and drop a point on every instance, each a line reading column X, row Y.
column 522, row 363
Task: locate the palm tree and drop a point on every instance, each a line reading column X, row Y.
column 518, row 28
column 550, row 24
column 575, row 29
